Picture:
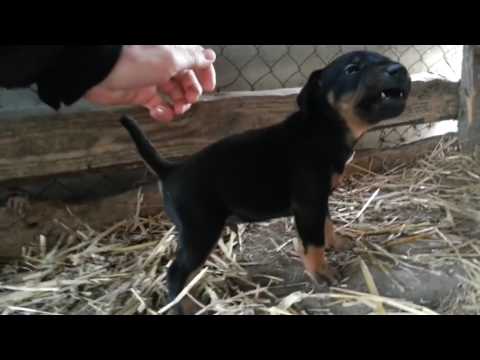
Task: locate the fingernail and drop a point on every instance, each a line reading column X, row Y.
column 209, row 54
column 160, row 114
column 182, row 108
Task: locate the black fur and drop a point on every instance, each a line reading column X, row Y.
column 282, row 170
column 146, row 150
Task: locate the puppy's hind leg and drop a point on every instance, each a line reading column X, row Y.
column 195, row 244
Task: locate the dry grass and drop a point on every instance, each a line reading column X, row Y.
column 431, row 209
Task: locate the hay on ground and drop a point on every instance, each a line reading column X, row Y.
column 122, row 270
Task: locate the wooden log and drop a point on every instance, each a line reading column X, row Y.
column 44, row 217
column 469, row 113
column 69, row 143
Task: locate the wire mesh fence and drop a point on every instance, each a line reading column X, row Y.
column 254, row 67
column 262, row 67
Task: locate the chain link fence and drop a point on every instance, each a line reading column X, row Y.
column 263, row 67
column 239, row 68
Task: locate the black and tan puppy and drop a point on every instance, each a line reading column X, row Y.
column 289, row 169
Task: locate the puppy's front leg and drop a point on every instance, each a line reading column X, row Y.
column 311, row 219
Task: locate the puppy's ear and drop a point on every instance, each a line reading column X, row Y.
column 314, row 82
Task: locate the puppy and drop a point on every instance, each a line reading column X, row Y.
column 289, row 169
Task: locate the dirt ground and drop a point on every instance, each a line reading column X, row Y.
column 270, row 257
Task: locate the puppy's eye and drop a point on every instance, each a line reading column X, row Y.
column 352, row 69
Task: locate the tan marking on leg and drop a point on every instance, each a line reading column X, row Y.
column 336, row 181
column 315, row 262
column 314, row 259
column 189, row 307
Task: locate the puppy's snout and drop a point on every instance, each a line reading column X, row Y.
column 395, row 70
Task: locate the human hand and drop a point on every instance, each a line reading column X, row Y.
column 144, row 72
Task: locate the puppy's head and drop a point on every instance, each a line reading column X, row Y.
column 361, row 87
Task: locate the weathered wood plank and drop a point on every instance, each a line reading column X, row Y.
column 48, row 217
column 68, row 143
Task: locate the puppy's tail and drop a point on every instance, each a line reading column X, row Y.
column 145, row 148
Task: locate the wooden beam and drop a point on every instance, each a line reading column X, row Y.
column 70, row 143
column 469, row 114
column 48, row 218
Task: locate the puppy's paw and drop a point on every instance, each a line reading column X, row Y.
column 317, row 267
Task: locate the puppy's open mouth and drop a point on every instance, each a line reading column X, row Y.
column 384, row 103
column 395, row 94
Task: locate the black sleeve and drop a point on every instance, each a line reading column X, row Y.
column 62, row 73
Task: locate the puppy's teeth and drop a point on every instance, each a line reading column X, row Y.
column 401, row 94
column 384, row 96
